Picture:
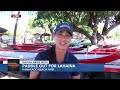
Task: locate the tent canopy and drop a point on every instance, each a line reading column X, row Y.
column 3, row 30
column 45, row 34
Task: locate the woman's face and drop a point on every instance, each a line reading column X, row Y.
column 62, row 39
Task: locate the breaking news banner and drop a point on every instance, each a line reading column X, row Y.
column 45, row 66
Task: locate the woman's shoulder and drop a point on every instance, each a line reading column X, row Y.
column 71, row 55
column 72, row 58
column 44, row 53
column 40, row 55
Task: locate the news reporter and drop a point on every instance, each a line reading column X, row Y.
column 58, row 54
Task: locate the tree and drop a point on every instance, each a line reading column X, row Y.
column 30, row 23
column 85, row 22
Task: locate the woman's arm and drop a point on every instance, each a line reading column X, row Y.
column 76, row 77
column 34, row 75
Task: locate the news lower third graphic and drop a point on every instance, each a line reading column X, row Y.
column 45, row 66
column 13, row 65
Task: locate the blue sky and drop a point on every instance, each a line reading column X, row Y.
column 9, row 23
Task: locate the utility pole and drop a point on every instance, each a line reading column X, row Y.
column 15, row 29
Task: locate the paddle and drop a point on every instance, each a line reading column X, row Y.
column 91, row 48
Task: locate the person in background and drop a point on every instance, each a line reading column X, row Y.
column 58, row 54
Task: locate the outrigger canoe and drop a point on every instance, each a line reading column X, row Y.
column 96, row 56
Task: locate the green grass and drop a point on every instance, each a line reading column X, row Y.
column 86, row 43
column 72, row 42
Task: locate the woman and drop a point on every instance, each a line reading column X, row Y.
column 58, row 54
